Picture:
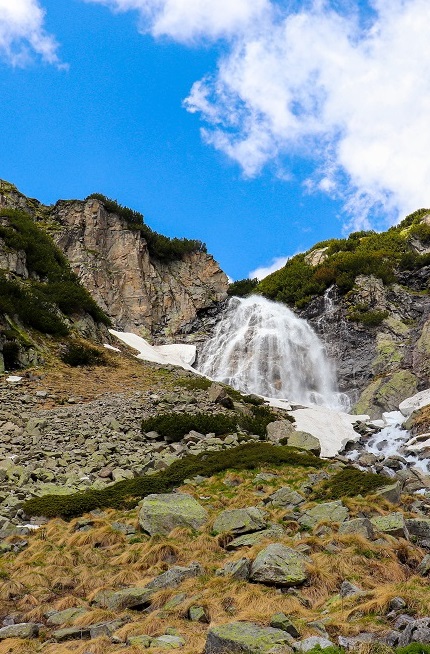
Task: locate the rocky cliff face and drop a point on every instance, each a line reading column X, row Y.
column 378, row 365
column 138, row 292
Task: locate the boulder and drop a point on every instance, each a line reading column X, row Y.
column 247, row 638
column 326, row 512
column 285, row 497
column 127, row 598
column 240, row 521
column 237, row 569
column 391, row 492
column 278, row 565
column 418, row 527
column 313, row 641
column 175, row 576
column 348, row 590
column 168, row 641
column 281, row 621
column 360, row 526
column 21, row 630
column 305, row 441
column 279, row 429
column 71, row 633
column 249, row 540
column 392, row 524
column 61, row 617
column 160, row 514
column 417, row 401
column 424, row 567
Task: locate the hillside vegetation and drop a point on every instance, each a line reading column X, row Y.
column 342, row 260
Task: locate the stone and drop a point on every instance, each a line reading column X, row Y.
column 197, row 614
column 348, row 590
column 326, row 512
column 305, row 441
column 139, row 641
column 417, row 401
column 424, row 567
column 246, row 638
column 61, row 617
column 219, row 395
column 240, row 521
column 160, row 514
column 418, row 527
column 385, row 393
column 417, row 631
column 249, row 540
column 281, row 621
column 360, row 526
column 285, row 497
column 397, row 604
column 168, row 642
column 71, row 633
column 237, row 569
column 392, row 524
column 279, row 565
column 23, row 630
column 391, row 493
column 279, row 429
column 127, row 598
column 313, row 641
column 175, row 576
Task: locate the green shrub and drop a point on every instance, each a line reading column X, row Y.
column 195, row 383
column 362, row 253
column 350, row 482
column 414, row 648
column 257, row 424
column 159, row 246
column 78, row 353
column 368, row 318
column 174, row 426
column 242, row 287
column 126, row 494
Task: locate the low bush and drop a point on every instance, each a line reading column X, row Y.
column 174, row 426
column 126, row 494
column 257, row 424
column 368, row 318
column 195, row 383
column 78, row 353
column 350, row 482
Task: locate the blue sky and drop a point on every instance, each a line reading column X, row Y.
column 255, row 126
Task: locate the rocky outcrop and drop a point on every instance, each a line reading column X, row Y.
column 377, row 364
column 112, row 260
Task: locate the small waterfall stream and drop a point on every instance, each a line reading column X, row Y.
column 261, row 347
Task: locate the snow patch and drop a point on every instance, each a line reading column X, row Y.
column 411, row 404
column 182, row 355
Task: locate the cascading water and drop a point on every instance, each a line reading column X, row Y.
column 261, row 347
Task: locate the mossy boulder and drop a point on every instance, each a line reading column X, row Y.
column 305, row 441
column 279, row 430
column 249, row 540
column 279, row 565
column 161, row 513
column 285, row 497
column 247, row 638
column 325, row 512
column 240, row 521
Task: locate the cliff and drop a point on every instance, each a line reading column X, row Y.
column 139, row 290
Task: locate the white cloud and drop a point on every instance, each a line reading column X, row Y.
column 22, row 33
column 346, row 91
column 190, row 20
column 317, row 85
column 276, row 264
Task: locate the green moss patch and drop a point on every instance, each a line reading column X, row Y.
column 126, row 494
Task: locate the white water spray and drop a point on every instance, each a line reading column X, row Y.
column 261, row 347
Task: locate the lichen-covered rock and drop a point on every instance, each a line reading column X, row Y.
column 392, row 524
column 386, row 393
column 175, row 576
column 279, row 429
column 285, row 497
column 127, row 598
column 237, row 569
column 305, row 441
column 168, row 642
column 418, row 527
column 281, row 621
column 326, row 512
column 391, row 492
column 62, row 617
column 278, row 565
column 249, row 540
column 247, row 638
column 313, row 641
column 361, row 526
column 240, row 521
column 22, row 630
column 160, row 514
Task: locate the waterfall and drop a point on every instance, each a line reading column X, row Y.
column 261, row 347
